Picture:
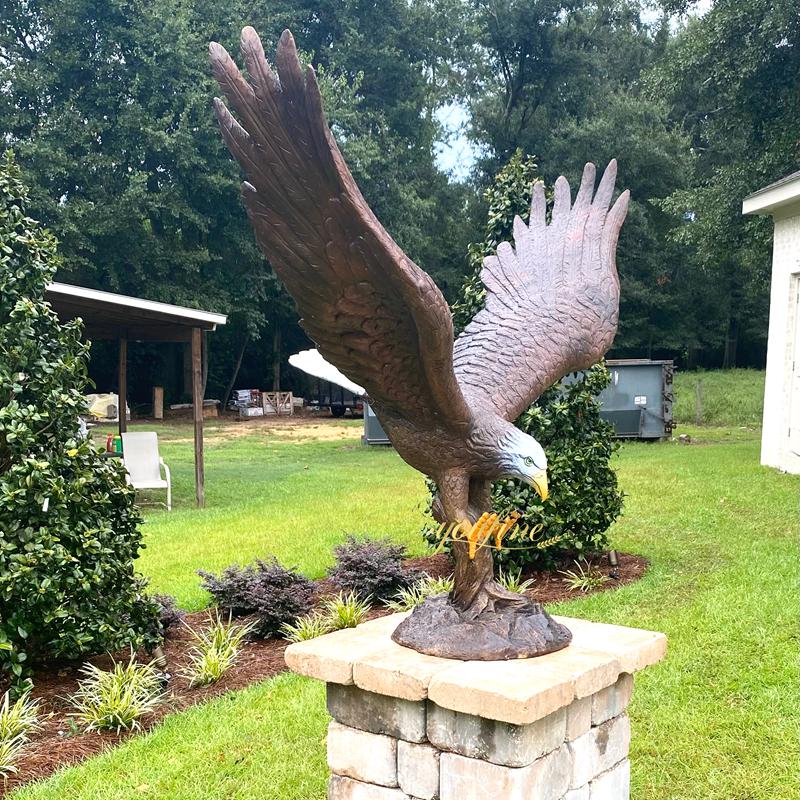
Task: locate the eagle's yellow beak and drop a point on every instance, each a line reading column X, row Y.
column 539, row 482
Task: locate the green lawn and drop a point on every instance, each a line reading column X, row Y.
column 269, row 494
column 733, row 397
column 717, row 720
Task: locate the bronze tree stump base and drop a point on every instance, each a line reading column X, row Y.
column 523, row 630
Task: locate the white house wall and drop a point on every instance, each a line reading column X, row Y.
column 775, row 450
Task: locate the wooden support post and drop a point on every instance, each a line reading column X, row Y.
column 197, row 413
column 698, row 403
column 158, row 402
column 122, row 385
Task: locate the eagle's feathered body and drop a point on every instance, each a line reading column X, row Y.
column 448, row 407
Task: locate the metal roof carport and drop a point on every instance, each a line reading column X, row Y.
column 107, row 315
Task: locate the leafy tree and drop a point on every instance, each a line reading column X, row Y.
column 732, row 79
column 108, row 107
column 562, row 80
column 549, row 62
column 507, row 197
column 584, row 496
column 394, row 65
column 68, row 524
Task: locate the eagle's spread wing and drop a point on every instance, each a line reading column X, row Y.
column 552, row 300
column 371, row 311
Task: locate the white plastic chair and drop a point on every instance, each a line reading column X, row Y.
column 141, row 459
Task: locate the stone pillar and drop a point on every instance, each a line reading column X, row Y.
column 407, row 726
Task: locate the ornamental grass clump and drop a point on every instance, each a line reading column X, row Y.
column 584, row 578
column 117, row 699
column 273, row 595
column 9, row 755
column 416, row 594
column 345, row 610
column 215, row 651
column 18, row 721
column 20, row 718
column 309, row 626
column 69, row 523
column 370, row 568
column 511, row 580
column 337, row 613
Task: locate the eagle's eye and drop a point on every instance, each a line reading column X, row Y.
column 528, row 461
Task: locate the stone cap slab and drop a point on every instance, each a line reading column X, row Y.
column 331, row 657
column 519, row 692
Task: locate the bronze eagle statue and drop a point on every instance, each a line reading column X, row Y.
column 448, row 407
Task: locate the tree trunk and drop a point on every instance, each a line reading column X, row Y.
column 237, row 367
column 731, row 344
column 276, row 362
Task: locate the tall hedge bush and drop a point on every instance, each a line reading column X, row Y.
column 68, row 524
column 584, row 496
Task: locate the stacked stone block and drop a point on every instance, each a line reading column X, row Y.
column 407, row 726
column 386, row 748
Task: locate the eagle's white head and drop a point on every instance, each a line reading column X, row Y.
column 522, row 457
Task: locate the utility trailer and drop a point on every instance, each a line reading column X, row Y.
column 327, row 394
column 331, row 388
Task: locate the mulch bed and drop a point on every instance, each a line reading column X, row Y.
column 59, row 744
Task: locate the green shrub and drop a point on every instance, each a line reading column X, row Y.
column 68, row 524
column 584, row 497
column 507, row 197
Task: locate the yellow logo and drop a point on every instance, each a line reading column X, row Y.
column 490, row 531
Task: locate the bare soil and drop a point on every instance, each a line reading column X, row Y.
column 60, row 742
column 302, row 426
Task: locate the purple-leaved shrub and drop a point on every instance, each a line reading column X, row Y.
column 371, row 568
column 273, row 594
